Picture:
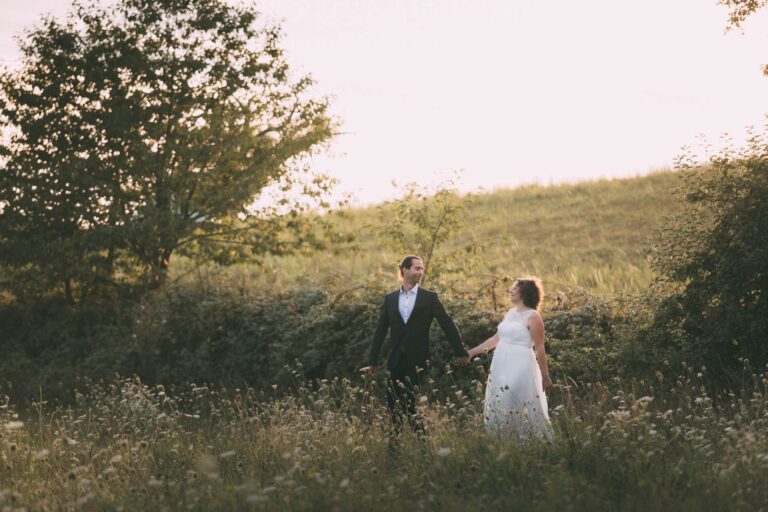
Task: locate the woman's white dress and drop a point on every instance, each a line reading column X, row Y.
column 515, row 402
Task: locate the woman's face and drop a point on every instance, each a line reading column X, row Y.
column 514, row 295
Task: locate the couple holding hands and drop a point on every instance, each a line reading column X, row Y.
column 515, row 401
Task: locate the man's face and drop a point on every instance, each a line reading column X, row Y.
column 413, row 275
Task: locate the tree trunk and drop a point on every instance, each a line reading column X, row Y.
column 160, row 269
column 68, row 292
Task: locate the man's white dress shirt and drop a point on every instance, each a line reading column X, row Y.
column 406, row 302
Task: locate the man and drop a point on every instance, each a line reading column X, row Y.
column 408, row 313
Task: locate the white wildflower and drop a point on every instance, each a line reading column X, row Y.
column 14, row 425
column 256, row 499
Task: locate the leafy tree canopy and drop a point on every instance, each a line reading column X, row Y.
column 147, row 128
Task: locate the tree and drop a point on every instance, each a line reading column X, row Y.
column 716, row 254
column 427, row 221
column 740, row 10
column 713, row 258
column 147, row 129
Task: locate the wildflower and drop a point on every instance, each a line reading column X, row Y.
column 344, row 483
column 227, row 454
column 443, row 452
column 256, row 499
column 42, row 454
column 13, row 426
column 208, row 466
column 155, row 482
column 117, row 459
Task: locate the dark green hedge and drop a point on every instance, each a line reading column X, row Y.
column 225, row 334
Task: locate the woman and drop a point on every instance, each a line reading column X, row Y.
column 515, row 399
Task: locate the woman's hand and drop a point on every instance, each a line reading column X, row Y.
column 546, row 383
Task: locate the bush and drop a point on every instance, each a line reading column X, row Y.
column 715, row 258
column 214, row 330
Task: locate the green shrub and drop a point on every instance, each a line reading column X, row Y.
column 714, row 256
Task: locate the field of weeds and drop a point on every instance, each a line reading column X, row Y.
column 323, row 446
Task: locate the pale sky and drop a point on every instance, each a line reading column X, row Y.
column 510, row 91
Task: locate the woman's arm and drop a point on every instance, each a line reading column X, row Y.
column 536, row 326
column 485, row 346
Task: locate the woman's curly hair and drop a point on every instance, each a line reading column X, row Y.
column 531, row 291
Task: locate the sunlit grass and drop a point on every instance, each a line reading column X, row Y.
column 592, row 235
column 620, row 445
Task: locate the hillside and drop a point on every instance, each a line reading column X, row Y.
column 593, row 235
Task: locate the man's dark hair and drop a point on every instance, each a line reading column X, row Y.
column 408, row 263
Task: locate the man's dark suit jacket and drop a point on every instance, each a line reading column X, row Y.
column 411, row 340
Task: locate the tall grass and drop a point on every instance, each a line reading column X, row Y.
column 591, row 235
column 624, row 445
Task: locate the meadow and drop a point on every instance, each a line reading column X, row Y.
column 593, row 235
column 228, row 412
column 632, row 445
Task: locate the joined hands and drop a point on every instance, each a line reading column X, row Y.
column 463, row 360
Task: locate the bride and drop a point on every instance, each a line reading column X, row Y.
column 515, row 399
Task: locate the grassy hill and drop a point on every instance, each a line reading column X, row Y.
column 593, row 235
column 285, row 420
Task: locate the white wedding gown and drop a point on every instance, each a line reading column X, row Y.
column 515, row 402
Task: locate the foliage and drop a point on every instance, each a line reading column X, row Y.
column 716, row 255
column 221, row 331
column 591, row 339
column 146, row 129
column 590, row 235
column 423, row 221
column 624, row 445
column 241, row 325
column 740, row 10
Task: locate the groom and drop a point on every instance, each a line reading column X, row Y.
column 407, row 313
